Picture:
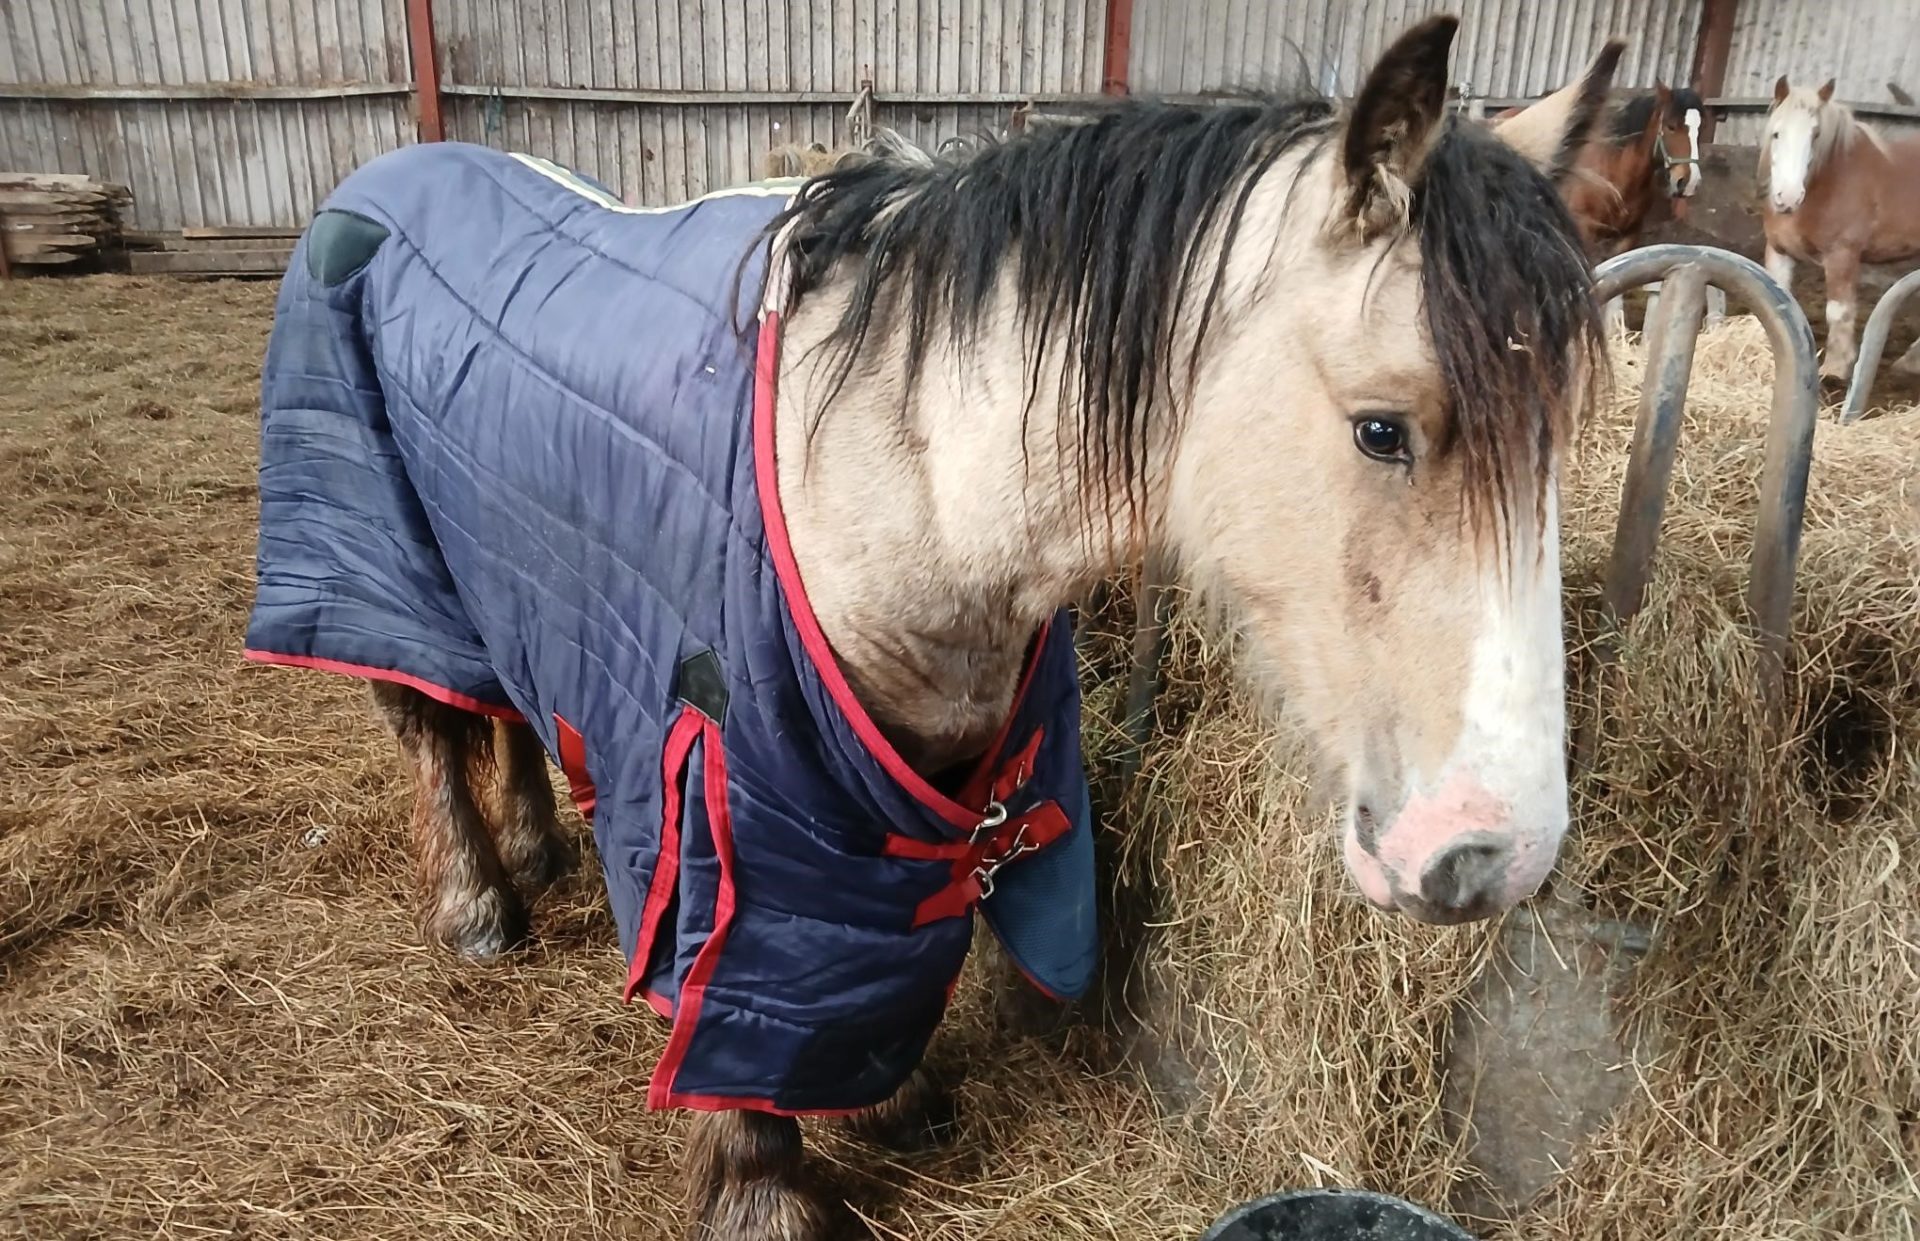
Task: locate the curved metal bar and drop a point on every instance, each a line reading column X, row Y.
column 1143, row 681
column 1796, row 408
column 1671, row 332
column 1873, row 343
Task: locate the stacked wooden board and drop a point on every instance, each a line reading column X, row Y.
column 51, row 218
column 231, row 251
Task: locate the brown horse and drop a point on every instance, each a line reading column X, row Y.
column 1648, row 155
column 1649, row 152
column 1838, row 194
column 1326, row 363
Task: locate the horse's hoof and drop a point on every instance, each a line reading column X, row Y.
column 923, row 1115
column 489, row 924
column 762, row 1210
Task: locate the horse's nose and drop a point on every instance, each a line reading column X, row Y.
column 1465, row 880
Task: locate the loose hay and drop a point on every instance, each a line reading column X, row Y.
column 215, row 1018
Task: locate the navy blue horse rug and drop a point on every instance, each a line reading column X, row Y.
column 517, row 453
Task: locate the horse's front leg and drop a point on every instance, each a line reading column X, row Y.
column 1780, row 266
column 467, row 904
column 1843, row 281
column 1613, row 317
column 921, row 1115
column 525, row 827
column 746, row 1174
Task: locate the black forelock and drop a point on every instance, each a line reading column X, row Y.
column 1103, row 220
column 1509, row 309
column 1630, row 119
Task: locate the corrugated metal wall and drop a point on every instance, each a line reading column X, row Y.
column 1863, row 44
column 798, row 62
column 664, row 99
column 203, row 161
column 1505, row 49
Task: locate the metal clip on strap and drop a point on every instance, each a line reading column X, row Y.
column 984, row 872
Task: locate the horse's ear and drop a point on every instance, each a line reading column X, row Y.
column 1395, row 120
column 1826, row 92
column 1551, row 132
column 1657, row 115
column 1780, row 90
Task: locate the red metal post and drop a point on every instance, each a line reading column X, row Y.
column 426, row 70
column 1113, row 76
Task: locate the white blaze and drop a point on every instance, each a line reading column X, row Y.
column 1514, row 726
column 1505, row 782
column 1693, row 144
column 1789, row 153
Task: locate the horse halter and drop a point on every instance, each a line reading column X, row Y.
column 1668, row 162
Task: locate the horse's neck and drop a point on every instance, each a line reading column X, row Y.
column 1610, row 191
column 935, row 528
column 1634, row 172
column 1866, row 194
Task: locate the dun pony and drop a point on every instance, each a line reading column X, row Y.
column 1325, row 363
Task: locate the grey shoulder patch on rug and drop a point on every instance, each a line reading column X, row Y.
column 340, row 243
column 702, row 684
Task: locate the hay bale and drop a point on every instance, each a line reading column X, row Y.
column 1776, row 1089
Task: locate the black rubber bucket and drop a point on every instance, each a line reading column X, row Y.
column 1333, row 1215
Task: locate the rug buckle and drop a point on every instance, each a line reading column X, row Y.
column 984, row 872
column 994, row 816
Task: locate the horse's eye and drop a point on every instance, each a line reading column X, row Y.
column 1381, row 438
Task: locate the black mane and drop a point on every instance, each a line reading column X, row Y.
column 1102, row 221
column 1630, row 120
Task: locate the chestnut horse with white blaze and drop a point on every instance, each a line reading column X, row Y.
column 1647, row 152
column 1840, row 194
column 1326, row 363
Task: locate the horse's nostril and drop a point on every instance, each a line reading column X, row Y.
column 1466, row 878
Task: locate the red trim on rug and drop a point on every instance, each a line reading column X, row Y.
column 660, row 1092
column 439, row 693
column 744, row 1103
column 1033, row 982
column 766, row 377
column 917, row 850
column 573, row 765
column 666, row 867
column 659, row 1003
column 1037, row 828
column 975, row 791
column 1016, row 771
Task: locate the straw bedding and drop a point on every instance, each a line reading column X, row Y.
column 215, row 1017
